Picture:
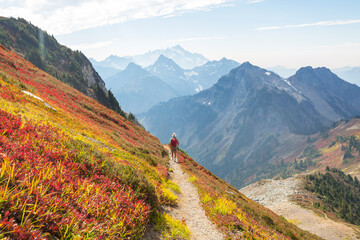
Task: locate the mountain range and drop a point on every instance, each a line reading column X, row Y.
column 350, row 74
column 252, row 118
column 182, row 57
column 138, row 89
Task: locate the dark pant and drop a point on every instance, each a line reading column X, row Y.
column 173, row 150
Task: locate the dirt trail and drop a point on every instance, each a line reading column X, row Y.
column 275, row 195
column 189, row 208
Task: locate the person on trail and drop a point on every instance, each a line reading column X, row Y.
column 174, row 144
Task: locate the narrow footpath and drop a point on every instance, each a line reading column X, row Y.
column 189, row 208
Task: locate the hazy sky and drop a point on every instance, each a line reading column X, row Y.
column 291, row 33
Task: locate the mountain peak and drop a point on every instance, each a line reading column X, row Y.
column 111, row 57
column 246, row 65
column 178, row 47
column 307, row 71
column 163, row 60
column 133, row 67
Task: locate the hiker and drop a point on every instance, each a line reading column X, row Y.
column 174, row 144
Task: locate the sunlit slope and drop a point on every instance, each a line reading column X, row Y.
column 69, row 166
column 336, row 147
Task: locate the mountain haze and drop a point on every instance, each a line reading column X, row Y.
column 137, row 90
column 104, row 71
column 171, row 73
column 182, row 57
column 282, row 71
column 114, row 61
column 208, row 74
column 350, row 74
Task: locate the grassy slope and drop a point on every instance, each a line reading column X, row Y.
column 80, row 163
column 326, row 148
column 77, row 169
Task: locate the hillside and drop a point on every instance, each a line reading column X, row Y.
column 42, row 50
column 71, row 168
column 336, row 146
column 70, row 160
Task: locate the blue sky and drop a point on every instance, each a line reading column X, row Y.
column 291, row 33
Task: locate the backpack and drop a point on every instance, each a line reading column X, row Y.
column 174, row 142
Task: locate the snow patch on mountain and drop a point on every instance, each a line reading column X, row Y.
column 198, row 89
column 287, row 81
